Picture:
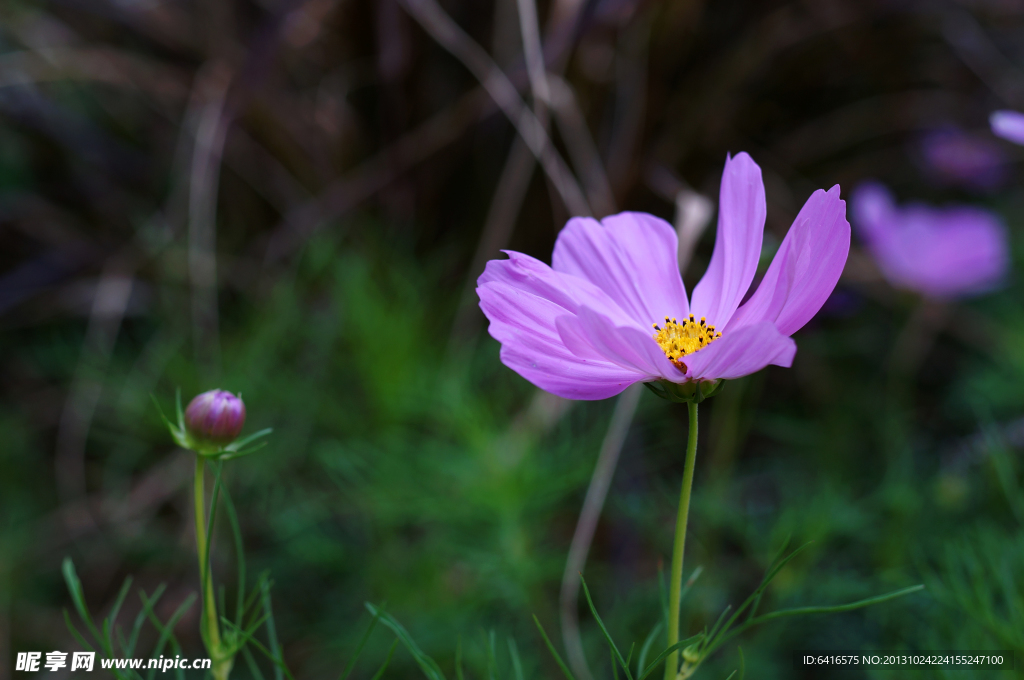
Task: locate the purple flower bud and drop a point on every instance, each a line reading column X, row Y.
column 215, row 417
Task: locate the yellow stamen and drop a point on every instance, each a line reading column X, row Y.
column 679, row 339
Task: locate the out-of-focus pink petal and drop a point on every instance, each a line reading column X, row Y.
column 805, row 269
column 624, row 346
column 1008, row 124
column 873, row 210
column 522, row 298
column 741, row 214
column 939, row 252
column 741, row 352
column 632, row 257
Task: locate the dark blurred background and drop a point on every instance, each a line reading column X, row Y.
column 292, row 199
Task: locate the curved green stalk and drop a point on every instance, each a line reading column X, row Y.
column 676, row 583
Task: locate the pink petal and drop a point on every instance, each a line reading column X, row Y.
column 741, row 214
column 938, row 251
column 530, row 274
column 522, row 298
column 741, row 352
column 805, row 269
column 1008, row 125
column 632, row 257
column 625, row 346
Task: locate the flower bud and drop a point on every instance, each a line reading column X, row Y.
column 215, row 417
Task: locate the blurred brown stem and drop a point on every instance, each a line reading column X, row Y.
column 448, row 34
column 600, row 481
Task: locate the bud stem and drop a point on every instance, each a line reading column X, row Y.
column 221, row 666
column 676, row 583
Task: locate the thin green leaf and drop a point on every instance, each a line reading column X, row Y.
column 166, row 630
column 77, row 596
column 426, row 664
column 141, row 618
column 240, row 454
column 661, row 657
column 254, row 670
column 236, row 531
column 271, row 628
column 108, row 623
column 492, row 657
column 690, row 581
column 249, row 639
column 181, row 413
column 74, row 633
column 359, row 648
column 799, row 611
column 240, row 443
column 646, row 647
column 718, row 623
column 777, row 565
column 387, row 660
column 551, row 648
column 607, row 635
column 517, row 663
column 458, row 659
column 206, row 575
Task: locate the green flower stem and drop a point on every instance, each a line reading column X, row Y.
column 221, row 665
column 676, row 584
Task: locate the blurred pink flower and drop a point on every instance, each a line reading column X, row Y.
column 952, row 156
column 939, row 252
column 1008, row 125
column 582, row 328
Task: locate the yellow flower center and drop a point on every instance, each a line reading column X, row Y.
column 679, row 339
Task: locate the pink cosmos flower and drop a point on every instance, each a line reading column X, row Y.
column 939, row 252
column 1009, row 125
column 611, row 310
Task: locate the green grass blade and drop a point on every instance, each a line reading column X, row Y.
column 240, row 443
column 833, row 609
column 166, row 630
column 607, row 635
column 109, row 622
column 661, row 657
column 359, row 648
column 236, row 532
column 492, row 656
column 77, row 596
column 250, row 640
column 773, row 570
column 254, row 669
column 517, row 663
column 141, row 618
column 75, row 634
column 387, row 660
column 551, row 648
column 426, row 664
column 275, row 647
column 694, row 575
column 205, row 575
column 646, row 647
